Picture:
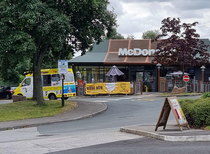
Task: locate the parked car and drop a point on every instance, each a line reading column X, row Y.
column 7, row 92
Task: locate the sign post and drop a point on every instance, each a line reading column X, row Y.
column 62, row 69
column 186, row 78
column 171, row 103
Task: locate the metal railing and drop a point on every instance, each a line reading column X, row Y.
column 137, row 87
column 195, row 86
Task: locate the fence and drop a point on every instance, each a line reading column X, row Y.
column 138, row 87
column 165, row 86
column 191, row 86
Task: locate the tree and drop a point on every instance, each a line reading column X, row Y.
column 182, row 47
column 150, row 34
column 30, row 30
column 115, row 35
column 130, row 36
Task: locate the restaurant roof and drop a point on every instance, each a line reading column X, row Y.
column 107, row 52
column 97, row 54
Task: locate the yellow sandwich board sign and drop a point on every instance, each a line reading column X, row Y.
column 171, row 103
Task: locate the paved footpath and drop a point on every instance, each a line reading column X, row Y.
column 170, row 133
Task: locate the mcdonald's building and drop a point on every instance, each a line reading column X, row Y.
column 134, row 59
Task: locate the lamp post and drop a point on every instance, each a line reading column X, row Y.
column 78, row 76
column 158, row 67
column 202, row 70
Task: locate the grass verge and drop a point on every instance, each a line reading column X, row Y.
column 207, row 128
column 29, row 109
column 170, row 94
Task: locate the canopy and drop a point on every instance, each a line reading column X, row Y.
column 114, row 71
column 178, row 73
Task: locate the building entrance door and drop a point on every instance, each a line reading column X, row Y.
column 139, row 76
column 145, row 74
column 149, row 81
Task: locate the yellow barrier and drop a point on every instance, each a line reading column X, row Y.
column 107, row 88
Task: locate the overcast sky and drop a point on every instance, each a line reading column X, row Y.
column 136, row 16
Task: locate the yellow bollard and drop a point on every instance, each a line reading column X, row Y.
column 146, row 88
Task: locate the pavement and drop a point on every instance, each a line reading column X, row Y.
column 170, row 133
column 89, row 109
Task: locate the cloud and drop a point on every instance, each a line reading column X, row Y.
column 137, row 16
column 179, row 4
column 117, row 6
column 140, row 1
column 191, row 5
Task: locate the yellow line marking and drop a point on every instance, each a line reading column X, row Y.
column 146, row 99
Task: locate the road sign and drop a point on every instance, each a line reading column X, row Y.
column 186, row 78
column 62, row 66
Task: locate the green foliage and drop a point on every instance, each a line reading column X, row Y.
column 115, row 35
column 196, row 111
column 207, row 128
column 187, row 106
column 208, row 120
column 46, row 29
column 205, row 95
column 186, row 100
column 150, row 34
column 130, row 36
column 201, row 112
column 35, row 32
column 182, row 45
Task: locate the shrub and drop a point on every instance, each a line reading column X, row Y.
column 186, row 100
column 205, row 95
column 187, row 106
column 208, row 120
column 201, row 111
column 197, row 112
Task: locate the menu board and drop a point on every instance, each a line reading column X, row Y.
column 178, row 111
column 171, row 103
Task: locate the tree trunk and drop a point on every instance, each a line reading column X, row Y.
column 37, row 82
column 37, row 88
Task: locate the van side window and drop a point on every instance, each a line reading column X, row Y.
column 55, row 77
column 26, row 82
column 46, row 80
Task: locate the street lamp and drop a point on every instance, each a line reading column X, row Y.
column 78, row 76
column 158, row 67
column 202, row 70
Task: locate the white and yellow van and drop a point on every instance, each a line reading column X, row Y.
column 51, row 85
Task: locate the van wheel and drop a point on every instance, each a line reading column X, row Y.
column 52, row 97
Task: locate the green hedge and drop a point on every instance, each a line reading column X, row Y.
column 205, row 95
column 197, row 112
